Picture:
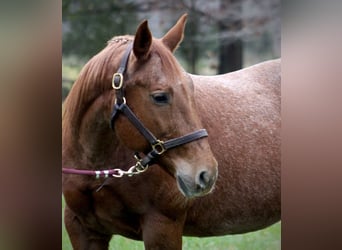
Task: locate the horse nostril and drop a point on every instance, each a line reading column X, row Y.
column 203, row 179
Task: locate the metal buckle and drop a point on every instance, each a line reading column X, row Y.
column 123, row 101
column 114, row 82
column 159, row 147
column 138, row 167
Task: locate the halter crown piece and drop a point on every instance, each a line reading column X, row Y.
column 158, row 146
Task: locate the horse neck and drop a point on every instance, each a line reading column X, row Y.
column 89, row 142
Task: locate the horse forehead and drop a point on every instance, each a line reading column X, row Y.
column 159, row 74
column 160, row 79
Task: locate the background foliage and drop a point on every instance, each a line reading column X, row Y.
column 220, row 36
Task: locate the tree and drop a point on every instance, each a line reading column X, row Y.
column 227, row 29
column 237, row 22
column 230, row 49
column 88, row 24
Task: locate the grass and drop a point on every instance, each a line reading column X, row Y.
column 266, row 239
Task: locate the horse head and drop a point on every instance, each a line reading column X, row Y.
column 152, row 110
column 161, row 94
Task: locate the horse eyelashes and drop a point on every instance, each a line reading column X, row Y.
column 161, row 98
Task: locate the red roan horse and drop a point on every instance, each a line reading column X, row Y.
column 226, row 183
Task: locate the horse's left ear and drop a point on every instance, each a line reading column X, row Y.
column 142, row 41
column 175, row 35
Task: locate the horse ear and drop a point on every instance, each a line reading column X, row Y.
column 175, row 35
column 142, row 41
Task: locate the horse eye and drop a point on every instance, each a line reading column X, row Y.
column 161, row 98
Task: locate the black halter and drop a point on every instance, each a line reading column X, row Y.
column 158, row 147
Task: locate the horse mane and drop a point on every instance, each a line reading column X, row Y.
column 93, row 79
column 92, row 82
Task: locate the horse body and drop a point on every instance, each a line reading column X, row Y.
column 241, row 112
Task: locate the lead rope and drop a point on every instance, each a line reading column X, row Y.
column 138, row 168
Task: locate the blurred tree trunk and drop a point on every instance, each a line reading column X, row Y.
column 230, row 56
column 230, row 52
column 194, row 31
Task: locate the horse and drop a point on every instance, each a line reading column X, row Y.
column 206, row 148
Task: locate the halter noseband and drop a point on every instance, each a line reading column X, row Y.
column 158, row 146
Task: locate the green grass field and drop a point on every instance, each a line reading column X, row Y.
column 267, row 239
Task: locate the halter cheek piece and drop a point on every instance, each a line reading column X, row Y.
column 158, row 146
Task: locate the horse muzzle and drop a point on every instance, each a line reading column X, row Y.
column 201, row 184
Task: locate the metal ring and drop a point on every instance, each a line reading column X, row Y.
column 159, row 147
column 123, row 101
column 117, row 87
